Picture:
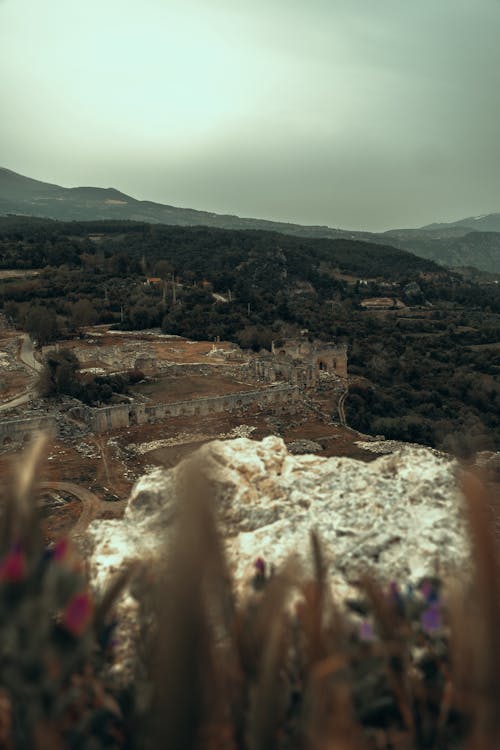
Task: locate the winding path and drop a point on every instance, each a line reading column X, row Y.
column 27, row 357
column 341, row 408
column 17, row 401
column 91, row 503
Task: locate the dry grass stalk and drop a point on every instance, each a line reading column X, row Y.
column 329, row 719
column 394, row 645
column 261, row 674
column 476, row 620
column 20, row 515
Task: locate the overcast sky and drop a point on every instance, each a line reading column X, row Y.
column 364, row 114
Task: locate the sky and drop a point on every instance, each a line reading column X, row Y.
column 361, row 114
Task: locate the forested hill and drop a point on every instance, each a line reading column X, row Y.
column 448, row 244
column 213, row 254
column 425, row 366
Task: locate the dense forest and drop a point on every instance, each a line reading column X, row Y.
column 425, row 370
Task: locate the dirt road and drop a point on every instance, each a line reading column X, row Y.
column 26, row 355
column 341, row 408
column 91, row 503
column 17, row 401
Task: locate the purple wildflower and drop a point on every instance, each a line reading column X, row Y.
column 366, row 632
column 429, row 591
column 431, row 618
column 260, row 566
column 259, row 578
column 60, row 550
column 78, row 613
column 13, row 566
column 394, row 590
column 409, row 591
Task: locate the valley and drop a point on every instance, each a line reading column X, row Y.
column 131, row 345
column 249, row 376
column 89, row 472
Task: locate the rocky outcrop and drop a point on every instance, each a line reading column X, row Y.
column 398, row 516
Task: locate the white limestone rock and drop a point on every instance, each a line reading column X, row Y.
column 399, row 516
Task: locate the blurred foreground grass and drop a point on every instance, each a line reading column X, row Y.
column 286, row 667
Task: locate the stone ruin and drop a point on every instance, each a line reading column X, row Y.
column 271, row 369
column 20, row 431
column 324, row 356
column 300, row 362
column 146, row 364
column 281, row 399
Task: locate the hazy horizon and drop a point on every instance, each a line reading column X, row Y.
column 335, row 113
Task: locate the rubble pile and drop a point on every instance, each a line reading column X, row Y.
column 299, row 447
column 186, row 438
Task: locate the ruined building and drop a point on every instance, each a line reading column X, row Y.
column 300, row 362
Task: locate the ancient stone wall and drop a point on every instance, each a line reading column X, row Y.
column 124, row 415
column 324, row 357
column 272, row 369
column 331, row 358
column 147, row 365
column 22, row 430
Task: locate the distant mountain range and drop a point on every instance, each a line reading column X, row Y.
column 484, row 223
column 469, row 242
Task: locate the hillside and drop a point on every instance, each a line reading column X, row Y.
column 22, row 195
column 451, row 247
column 241, row 255
column 470, row 242
column 424, row 366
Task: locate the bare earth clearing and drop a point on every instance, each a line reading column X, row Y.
column 88, row 476
column 183, row 387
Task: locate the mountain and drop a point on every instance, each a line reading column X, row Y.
column 484, row 223
column 469, row 242
column 22, row 195
column 454, row 247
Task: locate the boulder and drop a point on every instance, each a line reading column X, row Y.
column 398, row 516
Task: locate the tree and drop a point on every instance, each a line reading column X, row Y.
column 83, row 313
column 164, row 269
column 59, row 375
column 41, row 324
column 255, row 337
